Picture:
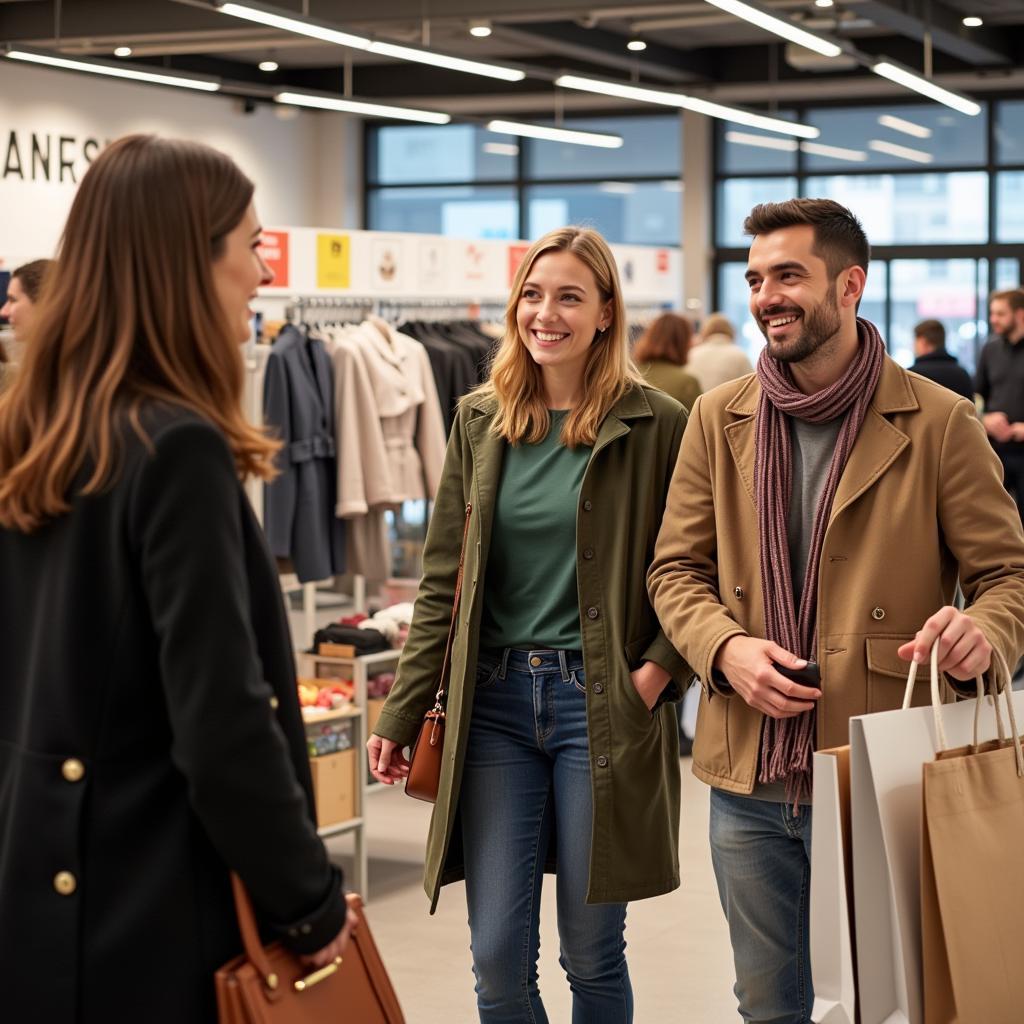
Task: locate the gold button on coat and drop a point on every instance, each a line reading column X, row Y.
column 65, row 883
column 274, row 703
column 73, row 770
column 878, row 614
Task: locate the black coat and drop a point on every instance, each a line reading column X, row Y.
column 944, row 369
column 149, row 737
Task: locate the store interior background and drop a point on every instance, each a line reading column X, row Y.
column 941, row 194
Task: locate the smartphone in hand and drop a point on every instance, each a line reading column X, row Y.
column 809, row 675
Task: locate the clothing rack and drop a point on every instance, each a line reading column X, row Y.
column 396, row 310
column 347, row 307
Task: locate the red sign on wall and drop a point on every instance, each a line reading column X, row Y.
column 515, row 257
column 661, row 258
column 274, row 250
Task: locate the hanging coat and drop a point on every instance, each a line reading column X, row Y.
column 298, row 510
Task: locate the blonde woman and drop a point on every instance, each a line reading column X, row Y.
column 561, row 753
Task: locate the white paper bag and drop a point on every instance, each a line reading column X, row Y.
column 887, row 754
column 832, row 968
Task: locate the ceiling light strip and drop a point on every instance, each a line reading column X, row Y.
column 336, row 103
column 538, row 131
column 302, row 26
column 120, row 70
column 683, row 102
column 855, row 156
column 778, row 26
column 909, row 80
column 917, row 156
column 898, row 124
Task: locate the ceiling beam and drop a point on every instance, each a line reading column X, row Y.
column 981, row 47
column 608, row 49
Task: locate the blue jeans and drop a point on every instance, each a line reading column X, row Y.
column 761, row 853
column 528, row 769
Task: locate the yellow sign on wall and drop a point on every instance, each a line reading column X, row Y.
column 333, row 259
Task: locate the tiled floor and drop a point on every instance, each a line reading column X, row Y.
column 678, row 947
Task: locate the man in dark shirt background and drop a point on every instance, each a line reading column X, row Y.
column 935, row 363
column 1000, row 382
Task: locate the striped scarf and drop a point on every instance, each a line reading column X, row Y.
column 788, row 743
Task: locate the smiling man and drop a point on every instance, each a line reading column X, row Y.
column 820, row 514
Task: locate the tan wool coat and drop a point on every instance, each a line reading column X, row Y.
column 919, row 503
column 634, row 754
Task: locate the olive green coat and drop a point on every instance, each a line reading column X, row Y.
column 634, row 753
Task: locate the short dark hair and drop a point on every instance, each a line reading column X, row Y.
column 933, row 332
column 839, row 238
column 668, row 337
column 31, row 277
column 1014, row 297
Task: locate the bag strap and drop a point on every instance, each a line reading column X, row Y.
column 446, row 664
column 250, row 932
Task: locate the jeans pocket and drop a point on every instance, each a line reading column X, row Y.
column 486, row 674
column 579, row 680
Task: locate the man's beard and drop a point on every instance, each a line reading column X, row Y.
column 820, row 324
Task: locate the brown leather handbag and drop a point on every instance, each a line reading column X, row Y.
column 270, row 985
column 425, row 761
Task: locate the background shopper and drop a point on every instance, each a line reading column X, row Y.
column 149, row 727
column 559, row 748
column 661, row 353
column 747, row 579
column 999, row 380
column 717, row 359
column 936, row 363
column 23, row 291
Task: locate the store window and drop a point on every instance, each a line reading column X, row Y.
column 651, row 146
column 641, row 213
column 912, row 209
column 1010, row 206
column 464, row 181
column 895, row 137
column 419, row 154
column 462, row 211
column 1009, row 132
column 737, row 197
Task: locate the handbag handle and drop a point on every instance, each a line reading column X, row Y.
column 446, row 664
column 254, row 951
column 1001, row 672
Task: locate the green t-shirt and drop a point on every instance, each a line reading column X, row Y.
column 530, row 596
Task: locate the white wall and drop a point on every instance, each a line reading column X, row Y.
column 292, row 161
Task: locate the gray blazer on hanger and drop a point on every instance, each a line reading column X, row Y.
column 298, row 406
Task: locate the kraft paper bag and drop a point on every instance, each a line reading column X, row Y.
column 888, row 751
column 833, row 970
column 972, row 890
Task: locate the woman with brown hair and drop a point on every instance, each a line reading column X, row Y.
column 23, row 291
column 661, row 353
column 150, row 738
column 560, row 751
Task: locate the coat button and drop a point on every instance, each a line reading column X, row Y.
column 65, row 883
column 592, row 613
column 536, row 662
column 598, row 687
column 587, row 506
column 878, row 614
column 73, row 770
column 306, row 929
column 739, row 593
column 602, row 762
column 588, row 552
column 275, row 703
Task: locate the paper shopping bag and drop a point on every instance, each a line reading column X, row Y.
column 888, row 751
column 972, row 893
column 833, row 969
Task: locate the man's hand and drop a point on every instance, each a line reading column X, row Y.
column 649, row 680
column 1017, row 431
column 747, row 664
column 963, row 650
column 998, row 426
